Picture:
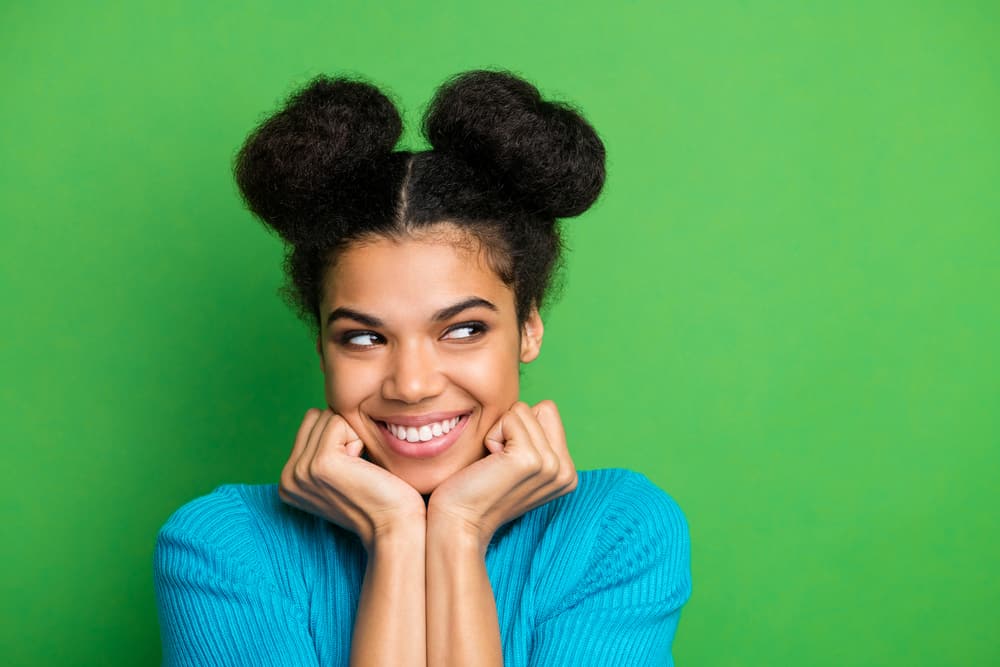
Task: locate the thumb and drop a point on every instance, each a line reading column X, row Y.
column 495, row 439
column 352, row 442
column 354, row 447
column 347, row 437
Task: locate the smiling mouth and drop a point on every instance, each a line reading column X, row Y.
column 422, row 441
column 424, row 432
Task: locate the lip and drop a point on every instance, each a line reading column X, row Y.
column 430, row 448
column 420, row 420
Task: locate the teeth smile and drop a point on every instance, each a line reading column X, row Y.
column 422, row 433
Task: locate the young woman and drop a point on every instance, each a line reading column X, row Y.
column 426, row 516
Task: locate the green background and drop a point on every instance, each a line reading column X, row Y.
column 783, row 310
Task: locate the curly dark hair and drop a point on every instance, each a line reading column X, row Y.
column 504, row 165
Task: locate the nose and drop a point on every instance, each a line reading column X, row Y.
column 414, row 373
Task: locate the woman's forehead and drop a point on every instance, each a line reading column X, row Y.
column 421, row 275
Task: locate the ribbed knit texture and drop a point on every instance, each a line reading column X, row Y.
column 597, row 577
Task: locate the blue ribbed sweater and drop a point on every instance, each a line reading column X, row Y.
column 596, row 577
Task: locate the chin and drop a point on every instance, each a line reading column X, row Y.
column 427, row 474
column 424, row 481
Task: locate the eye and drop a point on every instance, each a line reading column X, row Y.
column 467, row 330
column 360, row 339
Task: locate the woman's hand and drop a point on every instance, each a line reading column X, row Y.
column 326, row 476
column 528, row 465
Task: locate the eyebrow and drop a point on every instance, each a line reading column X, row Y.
column 444, row 314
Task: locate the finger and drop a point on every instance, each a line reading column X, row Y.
column 350, row 435
column 332, row 443
column 354, row 447
column 548, row 416
column 519, row 445
column 530, row 421
column 546, row 475
column 502, row 432
column 312, row 444
column 495, row 438
column 550, row 460
column 336, row 434
column 305, row 428
column 351, row 440
column 288, row 483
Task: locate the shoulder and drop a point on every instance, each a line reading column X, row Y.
column 215, row 556
column 221, row 518
column 620, row 482
column 226, row 508
column 244, row 524
column 617, row 501
column 617, row 531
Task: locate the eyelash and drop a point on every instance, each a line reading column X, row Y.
column 345, row 338
column 479, row 328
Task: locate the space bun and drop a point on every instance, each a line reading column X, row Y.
column 504, row 167
column 548, row 157
column 324, row 161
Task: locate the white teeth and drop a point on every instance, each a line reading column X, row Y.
column 423, row 433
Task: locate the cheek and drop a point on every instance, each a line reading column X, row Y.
column 347, row 385
column 493, row 380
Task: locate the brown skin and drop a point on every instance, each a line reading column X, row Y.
column 509, row 459
column 421, row 366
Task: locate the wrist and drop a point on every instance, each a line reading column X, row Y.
column 400, row 537
column 457, row 533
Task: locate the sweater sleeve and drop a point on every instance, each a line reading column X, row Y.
column 625, row 608
column 215, row 602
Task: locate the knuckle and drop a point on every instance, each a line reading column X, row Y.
column 530, row 462
column 300, row 473
column 288, row 489
column 568, row 478
column 319, row 465
column 323, row 464
column 283, row 494
column 571, row 486
column 338, row 429
column 550, row 466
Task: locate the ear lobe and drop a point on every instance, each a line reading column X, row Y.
column 531, row 336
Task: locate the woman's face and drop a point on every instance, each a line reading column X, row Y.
column 420, row 351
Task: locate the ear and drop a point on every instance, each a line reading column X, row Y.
column 531, row 336
column 319, row 351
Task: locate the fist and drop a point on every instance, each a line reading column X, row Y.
column 325, row 475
